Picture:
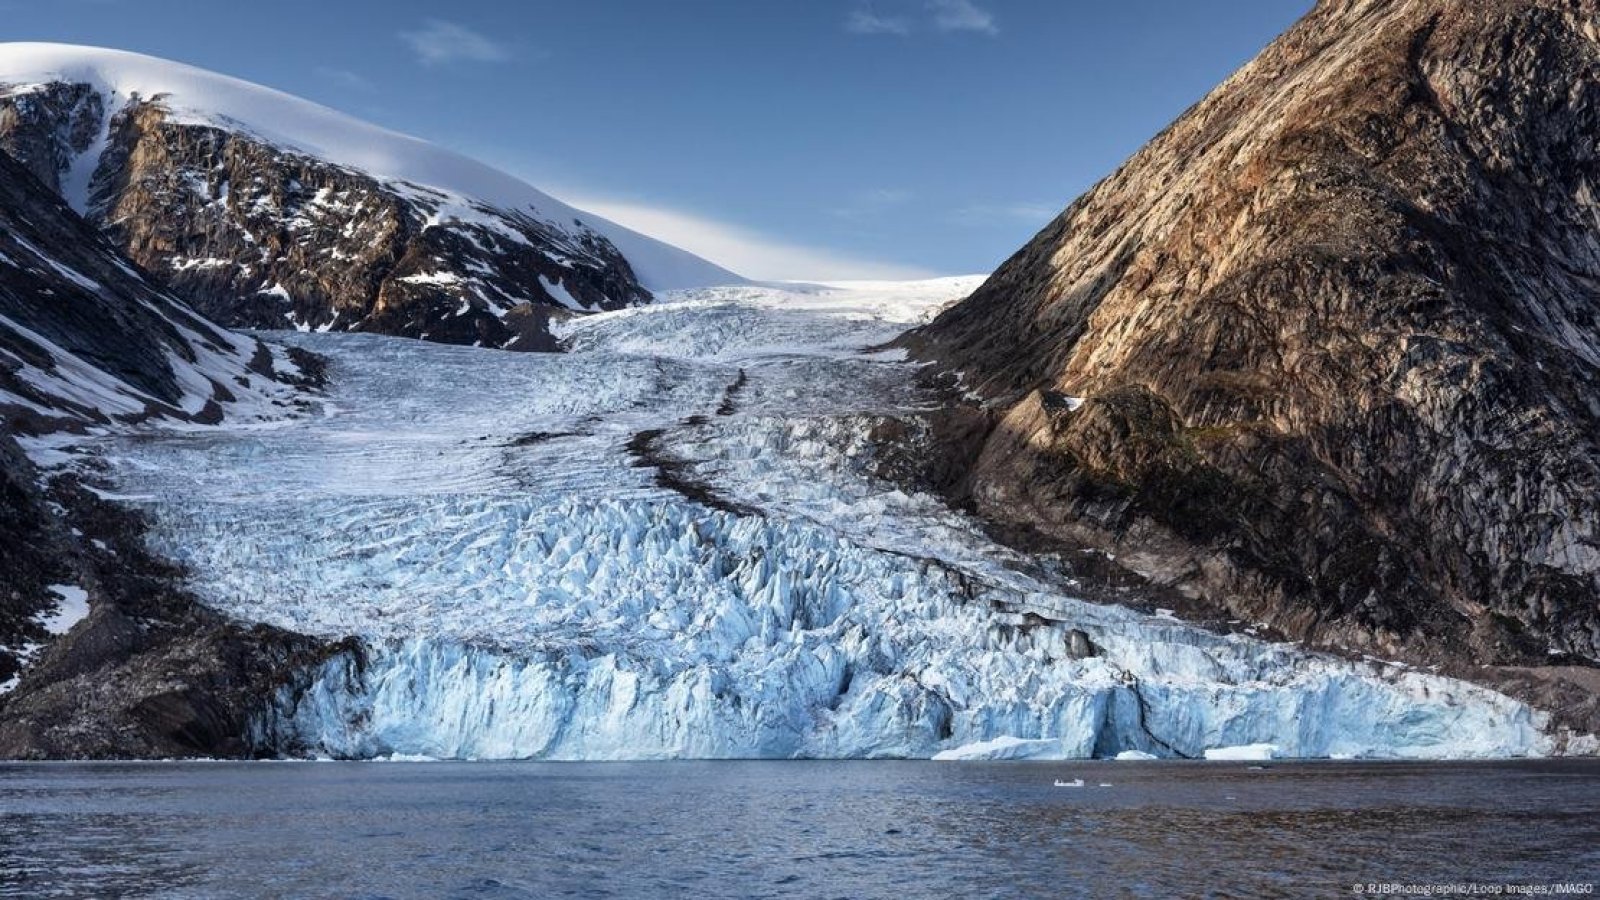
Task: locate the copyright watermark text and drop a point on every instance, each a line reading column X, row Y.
column 1473, row 889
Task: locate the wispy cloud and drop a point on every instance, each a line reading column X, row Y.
column 750, row 253
column 935, row 15
column 962, row 15
column 438, row 42
column 873, row 202
column 346, row 79
column 1006, row 212
column 863, row 21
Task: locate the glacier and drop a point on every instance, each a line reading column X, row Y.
column 667, row 542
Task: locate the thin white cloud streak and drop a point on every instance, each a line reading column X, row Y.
column 873, row 203
column 962, row 15
column 439, row 42
column 346, row 79
column 747, row 252
column 939, row 15
column 1000, row 212
column 861, row 21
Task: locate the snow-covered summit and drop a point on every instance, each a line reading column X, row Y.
column 200, row 97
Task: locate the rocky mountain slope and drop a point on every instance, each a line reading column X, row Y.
column 1325, row 354
column 101, row 652
column 87, row 339
column 263, row 210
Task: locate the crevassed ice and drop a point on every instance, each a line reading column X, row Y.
column 520, row 587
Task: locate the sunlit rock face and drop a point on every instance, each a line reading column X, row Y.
column 1324, row 354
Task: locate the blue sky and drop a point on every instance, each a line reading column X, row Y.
column 783, row 138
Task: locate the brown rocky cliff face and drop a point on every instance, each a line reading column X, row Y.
column 218, row 217
column 256, row 235
column 1336, row 334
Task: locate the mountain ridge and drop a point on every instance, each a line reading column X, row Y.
column 262, row 209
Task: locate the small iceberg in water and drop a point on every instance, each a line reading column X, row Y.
column 1003, row 748
column 1246, row 752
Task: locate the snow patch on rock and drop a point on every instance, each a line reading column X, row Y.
column 74, row 608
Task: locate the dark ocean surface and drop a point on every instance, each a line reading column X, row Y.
column 792, row 829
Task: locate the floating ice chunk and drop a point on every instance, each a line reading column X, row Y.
column 1244, row 753
column 1003, row 748
column 1135, row 756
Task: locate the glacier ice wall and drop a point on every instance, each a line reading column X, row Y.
column 496, row 533
column 660, row 630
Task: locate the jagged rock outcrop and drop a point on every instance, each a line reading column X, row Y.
column 86, row 340
column 1325, row 353
column 49, row 127
column 265, row 211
